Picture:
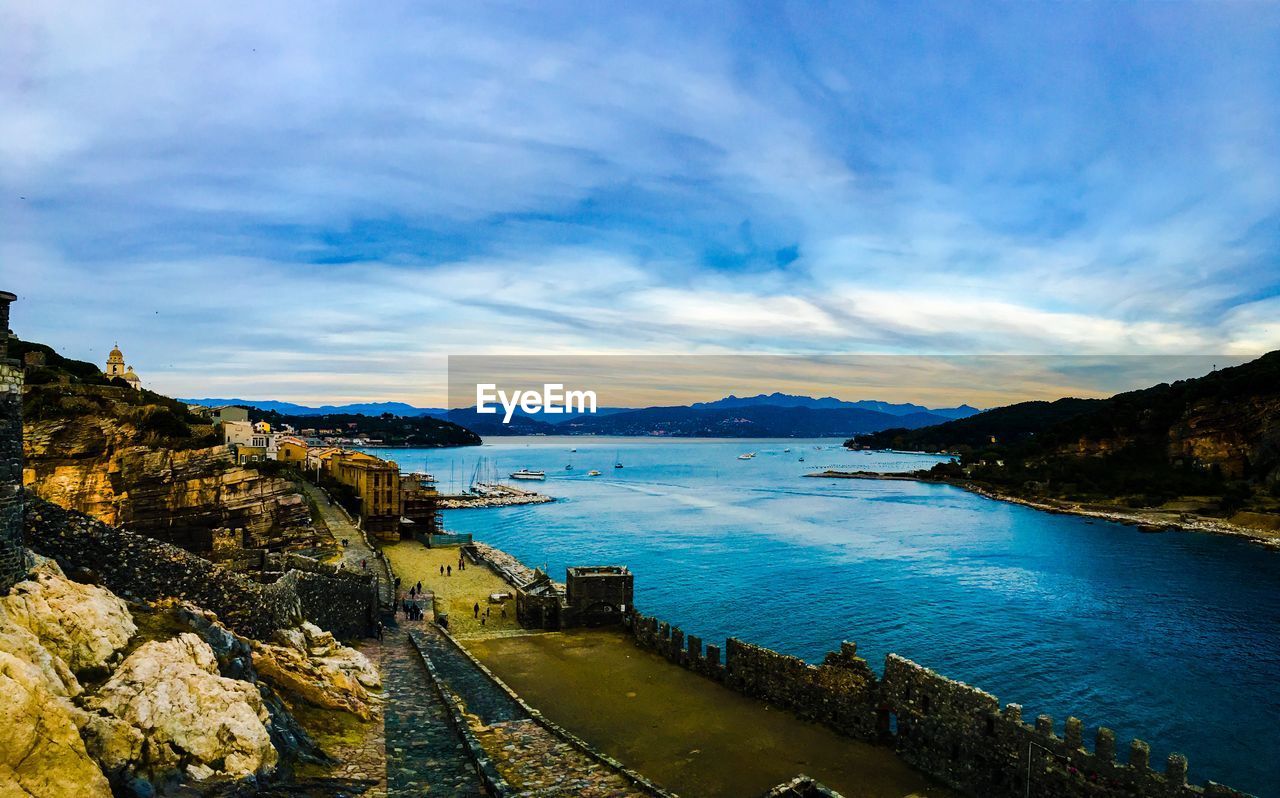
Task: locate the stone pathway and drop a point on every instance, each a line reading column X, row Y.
column 533, row 760
column 425, row 756
column 357, row 556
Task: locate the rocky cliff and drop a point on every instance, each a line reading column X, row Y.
column 94, row 702
column 131, row 459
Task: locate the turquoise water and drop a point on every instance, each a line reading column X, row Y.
column 1174, row 638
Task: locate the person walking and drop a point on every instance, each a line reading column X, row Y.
column 449, row 571
column 476, row 610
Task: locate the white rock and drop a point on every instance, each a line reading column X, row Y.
column 171, row 692
column 84, row 625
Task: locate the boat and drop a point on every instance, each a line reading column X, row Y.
column 617, row 461
column 802, row 458
column 593, row 473
column 786, row 450
column 568, row 467
column 573, row 450
column 746, row 456
column 525, row 473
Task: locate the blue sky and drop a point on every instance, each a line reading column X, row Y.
column 323, row 201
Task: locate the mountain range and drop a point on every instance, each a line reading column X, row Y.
column 764, row 415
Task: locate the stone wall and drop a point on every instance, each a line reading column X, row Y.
column 13, row 564
column 144, row 569
column 945, row 728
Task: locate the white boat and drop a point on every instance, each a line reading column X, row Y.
column 746, row 456
column 525, row 473
column 593, row 473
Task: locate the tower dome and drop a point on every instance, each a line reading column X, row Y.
column 115, row 363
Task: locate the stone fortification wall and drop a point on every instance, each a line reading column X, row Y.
column 13, row 563
column 945, row 728
column 144, row 569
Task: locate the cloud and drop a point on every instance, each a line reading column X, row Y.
column 322, row 203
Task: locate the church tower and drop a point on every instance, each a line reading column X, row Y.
column 115, row 363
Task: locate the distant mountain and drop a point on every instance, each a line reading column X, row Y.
column 358, row 408
column 759, row 421
column 831, row 403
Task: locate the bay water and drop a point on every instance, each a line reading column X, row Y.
column 1171, row 637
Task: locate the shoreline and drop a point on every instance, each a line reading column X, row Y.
column 1149, row 521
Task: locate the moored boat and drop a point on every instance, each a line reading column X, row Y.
column 525, row 473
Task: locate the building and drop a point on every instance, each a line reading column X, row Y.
column 597, row 595
column 230, row 413
column 246, row 433
column 591, row 596
column 376, row 482
column 291, row 450
column 420, row 504
column 116, row 369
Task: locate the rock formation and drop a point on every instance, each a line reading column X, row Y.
column 192, row 718
column 94, row 449
column 186, row 707
column 315, row 668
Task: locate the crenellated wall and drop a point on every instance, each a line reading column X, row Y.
column 944, row 728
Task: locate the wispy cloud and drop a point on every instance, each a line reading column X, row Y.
column 323, row 202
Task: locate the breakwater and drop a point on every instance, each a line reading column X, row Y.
column 947, row 729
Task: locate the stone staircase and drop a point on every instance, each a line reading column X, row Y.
column 425, row 754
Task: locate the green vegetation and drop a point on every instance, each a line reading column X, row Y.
column 390, row 429
column 1216, row 437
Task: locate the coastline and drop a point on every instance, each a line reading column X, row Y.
column 1153, row 521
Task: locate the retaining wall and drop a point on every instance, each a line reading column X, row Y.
column 944, row 728
column 144, row 569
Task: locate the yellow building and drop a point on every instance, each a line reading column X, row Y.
column 292, row 451
column 377, row 483
column 250, row 454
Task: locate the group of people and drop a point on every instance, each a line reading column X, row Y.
column 413, row 611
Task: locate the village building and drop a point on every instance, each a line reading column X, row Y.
column 376, row 482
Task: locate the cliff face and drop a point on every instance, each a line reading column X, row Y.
column 1241, row 438
column 97, row 450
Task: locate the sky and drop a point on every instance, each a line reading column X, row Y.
column 322, row 202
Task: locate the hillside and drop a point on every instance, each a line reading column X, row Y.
column 142, row 460
column 390, row 429
column 1206, row 445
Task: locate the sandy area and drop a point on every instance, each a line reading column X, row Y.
column 456, row 594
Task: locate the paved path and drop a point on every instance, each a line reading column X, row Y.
column 357, row 556
column 425, row 756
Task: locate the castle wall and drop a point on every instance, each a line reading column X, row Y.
column 944, row 728
column 13, row 564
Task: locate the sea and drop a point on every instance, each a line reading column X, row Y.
column 1172, row 637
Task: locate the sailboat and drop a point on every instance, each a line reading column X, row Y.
column 617, row 461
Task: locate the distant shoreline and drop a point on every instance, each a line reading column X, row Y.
column 1145, row 520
